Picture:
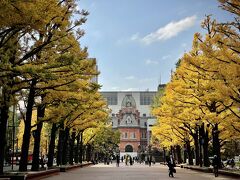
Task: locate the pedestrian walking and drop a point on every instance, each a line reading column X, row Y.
column 150, row 160
column 126, row 160
column 232, row 163
column 42, row 161
column 171, row 164
column 118, row 160
column 130, row 161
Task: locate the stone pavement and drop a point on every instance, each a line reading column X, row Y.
column 135, row 172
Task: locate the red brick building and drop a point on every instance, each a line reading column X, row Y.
column 130, row 113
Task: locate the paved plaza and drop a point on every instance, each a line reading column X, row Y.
column 135, row 172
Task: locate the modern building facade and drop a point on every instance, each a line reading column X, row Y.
column 130, row 112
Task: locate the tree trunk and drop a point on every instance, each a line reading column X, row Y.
column 88, row 152
column 185, row 154
column 52, row 145
column 201, row 141
column 65, row 155
column 3, row 127
column 174, row 153
column 27, row 129
column 206, row 161
column 178, row 153
column 196, row 147
column 164, row 154
column 72, row 147
column 37, row 138
column 216, row 144
column 60, row 146
column 189, row 152
column 171, row 151
column 36, row 148
column 81, row 148
column 84, row 152
column 76, row 154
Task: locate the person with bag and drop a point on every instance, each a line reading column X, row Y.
column 171, row 164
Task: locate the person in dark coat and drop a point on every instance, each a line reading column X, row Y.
column 171, row 165
column 150, row 160
column 130, row 161
column 215, row 165
column 118, row 160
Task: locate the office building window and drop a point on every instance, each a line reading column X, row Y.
column 111, row 98
column 146, row 98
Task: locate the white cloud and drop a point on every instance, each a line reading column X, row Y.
column 130, row 77
column 168, row 31
column 149, row 61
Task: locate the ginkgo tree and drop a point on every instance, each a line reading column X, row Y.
column 28, row 28
column 104, row 141
column 203, row 95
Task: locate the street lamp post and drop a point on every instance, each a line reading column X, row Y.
column 17, row 150
column 13, row 134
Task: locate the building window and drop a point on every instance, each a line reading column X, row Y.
column 122, row 135
column 146, row 98
column 133, row 136
column 144, row 134
column 126, row 136
column 111, row 98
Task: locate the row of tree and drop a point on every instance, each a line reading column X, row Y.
column 201, row 102
column 44, row 69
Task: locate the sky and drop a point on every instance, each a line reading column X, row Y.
column 138, row 42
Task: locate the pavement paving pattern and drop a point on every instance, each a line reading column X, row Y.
column 135, row 172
